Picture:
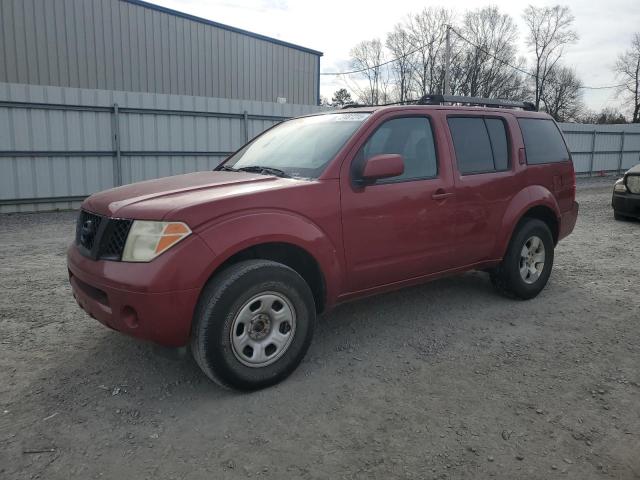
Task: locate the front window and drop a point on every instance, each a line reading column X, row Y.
column 301, row 147
column 410, row 137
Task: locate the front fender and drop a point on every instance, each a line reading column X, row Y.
column 250, row 228
column 529, row 197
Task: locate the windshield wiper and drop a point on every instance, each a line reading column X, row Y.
column 262, row 170
column 226, row 169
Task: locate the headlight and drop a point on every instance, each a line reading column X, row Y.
column 620, row 187
column 147, row 240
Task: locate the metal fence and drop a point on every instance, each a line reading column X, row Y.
column 58, row 145
column 602, row 149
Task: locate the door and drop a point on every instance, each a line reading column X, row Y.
column 485, row 182
column 397, row 228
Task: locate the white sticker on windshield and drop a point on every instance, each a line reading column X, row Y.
column 350, row 117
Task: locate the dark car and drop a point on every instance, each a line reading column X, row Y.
column 626, row 195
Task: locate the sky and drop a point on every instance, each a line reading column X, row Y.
column 333, row 27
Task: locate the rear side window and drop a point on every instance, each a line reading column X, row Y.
column 542, row 141
column 410, row 137
column 480, row 143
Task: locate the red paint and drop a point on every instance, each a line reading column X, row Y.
column 365, row 238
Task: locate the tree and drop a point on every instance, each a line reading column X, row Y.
column 628, row 69
column 606, row 116
column 401, row 47
column 368, row 56
column 486, row 58
column 549, row 32
column 427, row 31
column 341, row 98
column 562, row 96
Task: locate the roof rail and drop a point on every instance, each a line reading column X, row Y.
column 478, row 101
column 354, row 105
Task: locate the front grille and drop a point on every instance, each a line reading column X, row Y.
column 114, row 238
column 633, row 183
column 101, row 238
column 87, row 229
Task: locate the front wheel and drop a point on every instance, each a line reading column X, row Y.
column 526, row 267
column 253, row 324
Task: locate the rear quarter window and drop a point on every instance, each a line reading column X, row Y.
column 543, row 142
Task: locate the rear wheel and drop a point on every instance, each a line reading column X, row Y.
column 253, row 324
column 526, row 267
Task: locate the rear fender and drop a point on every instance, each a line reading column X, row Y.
column 527, row 198
column 256, row 227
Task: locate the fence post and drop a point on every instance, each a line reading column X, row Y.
column 593, row 152
column 621, row 154
column 245, row 116
column 117, row 164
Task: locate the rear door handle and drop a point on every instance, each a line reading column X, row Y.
column 439, row 195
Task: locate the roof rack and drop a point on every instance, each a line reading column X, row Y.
column 354, row 105
column 477, row 101
column 442, row 99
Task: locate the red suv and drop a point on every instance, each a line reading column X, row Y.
column 318, row 210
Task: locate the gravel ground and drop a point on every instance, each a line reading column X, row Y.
column 445, row 380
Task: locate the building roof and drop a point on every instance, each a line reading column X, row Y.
column 193, row 18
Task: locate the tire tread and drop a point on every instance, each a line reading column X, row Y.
column 501, row 276
column 210, row 295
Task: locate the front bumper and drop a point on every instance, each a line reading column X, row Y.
column 152, row 301
column 627, row 204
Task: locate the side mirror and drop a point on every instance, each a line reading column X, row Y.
column 381, row 166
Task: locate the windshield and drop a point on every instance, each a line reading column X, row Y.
column 298, row 148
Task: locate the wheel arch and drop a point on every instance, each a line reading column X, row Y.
column 546, row 215
column 283, row 237
column 536, row 202
column 291, row 255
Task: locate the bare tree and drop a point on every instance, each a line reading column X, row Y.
column 487, row 55
column 628, row 69
column 606, row 116
column 427, row 31
column 401, row 48
column 549, row 32
column 562, row 96
column 368, row 56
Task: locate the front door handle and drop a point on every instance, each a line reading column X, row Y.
column 441, row 195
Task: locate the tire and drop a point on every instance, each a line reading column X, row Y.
column 508, row 278
column 253, row 324
column 620, row 218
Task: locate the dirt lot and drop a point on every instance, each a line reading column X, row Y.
column 446, row 380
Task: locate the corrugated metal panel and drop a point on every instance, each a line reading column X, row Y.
column 581, row 162
column 132, row 46
column 63, row 153
column 66, row 153
column 597, row 148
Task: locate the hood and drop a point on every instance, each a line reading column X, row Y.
column 158, row 199
column 634, row 170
